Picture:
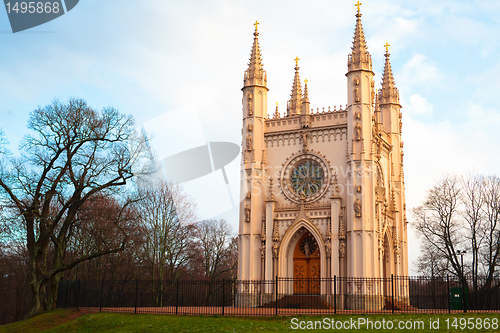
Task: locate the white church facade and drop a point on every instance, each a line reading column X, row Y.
column 322, row 192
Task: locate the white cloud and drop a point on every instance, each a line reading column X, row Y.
column 420, row 70
column 419, row 106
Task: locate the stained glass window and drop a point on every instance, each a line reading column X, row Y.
column 307, row 178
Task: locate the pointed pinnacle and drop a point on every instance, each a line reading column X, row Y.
column 359, row 57
column 295, row 102
column 255, row 74
column 305, row 98
column 389, row 90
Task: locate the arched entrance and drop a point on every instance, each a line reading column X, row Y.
column 306, row 266
column 386, row 265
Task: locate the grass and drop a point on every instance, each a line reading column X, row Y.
column 73, row 321
column 43, row 322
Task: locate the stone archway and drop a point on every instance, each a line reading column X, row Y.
column 306, row 266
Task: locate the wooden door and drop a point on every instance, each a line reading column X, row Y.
column 306, row 266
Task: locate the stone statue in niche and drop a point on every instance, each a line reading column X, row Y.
column 373, row 91
column 275, row 250
column 357, row 207
column 250, row 127
column 249, row 142
column 356, row 90
column 342, row 250
column 250, row 112
column 247, row 214
column 358, row 131
column 328, row 250
column 304, row 139
column 307, row 250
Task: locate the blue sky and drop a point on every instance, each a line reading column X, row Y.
column 147, row 58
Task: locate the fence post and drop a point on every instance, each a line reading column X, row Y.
column 176, row 295
column 100, row 301
column 335, row 294
column 463, row 293
column 392, row 291
column 223, row 294
column 136, row 283
column 78, row 296
column 448, row 292
column 276, row 305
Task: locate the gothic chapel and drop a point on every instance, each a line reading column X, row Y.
column 322, row 192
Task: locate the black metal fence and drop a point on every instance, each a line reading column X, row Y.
column 282, row 296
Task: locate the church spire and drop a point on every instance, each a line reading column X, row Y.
column 255, row 74
column 390, row 93
column 305, row 120
column 360, row 57
column 305, row 98
column 294, row 106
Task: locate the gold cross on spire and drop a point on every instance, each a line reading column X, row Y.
column 256, row 24
column 306, row 80
column 387, row 47
column 358, row 5
column 297, row 61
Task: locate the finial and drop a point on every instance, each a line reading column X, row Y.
column 358, row 4
column 306, row 80
column 387, row 47
column 256, row 24
column 296, row 61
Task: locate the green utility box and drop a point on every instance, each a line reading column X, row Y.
column 456, row 295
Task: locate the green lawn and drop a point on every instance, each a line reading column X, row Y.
column 73, row 321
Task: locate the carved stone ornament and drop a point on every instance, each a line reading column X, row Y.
column 270, row 193
column 357, row 207
column 359, row 189
column 276, row 232
column 263, row 231
column 247, row 214
column 262, row 252
column 373, row 91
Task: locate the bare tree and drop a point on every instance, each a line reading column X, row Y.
column 73, row 154
column 462, row 214
column 490, row 251
column 166, row 216
column 473, row 201
column 217, row 248
column 438, row 222
column 102, row 223
column 432, row 262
